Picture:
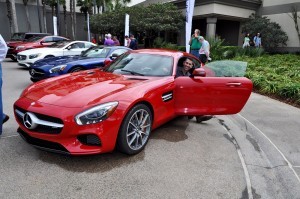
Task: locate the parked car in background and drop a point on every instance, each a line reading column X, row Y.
column 93, row 111
column 33, row 42
column 23, row 36
column 94, row 57
column 61, row 48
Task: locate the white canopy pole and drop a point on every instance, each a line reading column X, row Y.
column 126, row 28
column 188, row 24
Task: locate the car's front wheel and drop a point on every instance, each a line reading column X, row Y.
column 135, row 130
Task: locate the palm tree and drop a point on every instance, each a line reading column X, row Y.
column 73, row 18
column 44, row 2
column 85, row 6
column 25, row 2
column 65, row 18
column 12, row 17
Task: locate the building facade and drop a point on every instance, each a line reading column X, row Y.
column 224, row 18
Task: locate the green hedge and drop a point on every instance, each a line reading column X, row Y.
column 275, row 75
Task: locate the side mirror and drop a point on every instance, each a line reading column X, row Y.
column 199, row 72
column 42, row 42
column 114, row 56
column 69, row 47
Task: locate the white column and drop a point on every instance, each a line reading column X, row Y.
column 211, row 27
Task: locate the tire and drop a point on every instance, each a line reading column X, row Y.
column 76, row 69
column 14, row 59
column 135, row 130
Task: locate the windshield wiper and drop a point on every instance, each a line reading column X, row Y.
column 132, row 72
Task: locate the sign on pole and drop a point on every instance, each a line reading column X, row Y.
column 188, row 22
column 126, row 28
column 54, row 25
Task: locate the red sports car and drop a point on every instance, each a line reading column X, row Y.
column 33, row 42
column 94, row 111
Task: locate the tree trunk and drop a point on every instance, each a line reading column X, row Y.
column 44, row 17
column 295, row 17
column 9, row 15
column 74, row 16
column 12, row 16
column 65, row 19
column 25, row 2
column 72, row 19
column 27, row 18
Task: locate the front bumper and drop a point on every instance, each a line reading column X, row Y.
column 72, row 138
column 23, row 60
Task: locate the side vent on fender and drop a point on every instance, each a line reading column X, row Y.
column 167, row 96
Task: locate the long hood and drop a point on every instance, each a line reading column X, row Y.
column 55, row 61
column 38, row 50
column 13, row 42
column 85, row 88
column 86, row 61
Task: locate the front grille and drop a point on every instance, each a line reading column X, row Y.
column 21, row 57
column 43, row 126
column 36, row 72
column 43, row 144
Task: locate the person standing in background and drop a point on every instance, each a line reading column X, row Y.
column 204, row 51
column 246, row 41
column 3, row 51
column 116, row 41
column 257, row 40
column 195, row 43
column 109, row 41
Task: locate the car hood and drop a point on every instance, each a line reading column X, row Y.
column 23, row 43
column 86, row 88
column 13, row 42
column 39, row 50
column 86, row 60
column 55, row 61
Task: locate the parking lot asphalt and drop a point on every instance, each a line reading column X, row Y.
column 253, row 154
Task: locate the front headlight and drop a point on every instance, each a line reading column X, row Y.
column 96, row 114
column 58, row 68
column 34, row 56
column 20, row 47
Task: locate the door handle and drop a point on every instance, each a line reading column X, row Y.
column 234, row 84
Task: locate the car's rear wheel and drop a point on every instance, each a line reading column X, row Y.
column 135, row 130
column 76, row 69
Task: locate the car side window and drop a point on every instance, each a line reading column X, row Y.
column 55, row 39
column 75, row 45
column 48, row 39
column 196, row 63
column 87, row 45
column 81, row 45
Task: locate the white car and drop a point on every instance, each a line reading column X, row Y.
column 61, row 48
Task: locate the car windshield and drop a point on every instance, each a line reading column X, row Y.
column 226, row 68
column 18, row 37
column 60, row 44
column 96, row 51
column 142, row 64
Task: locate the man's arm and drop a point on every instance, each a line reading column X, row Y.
column 3, row 48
